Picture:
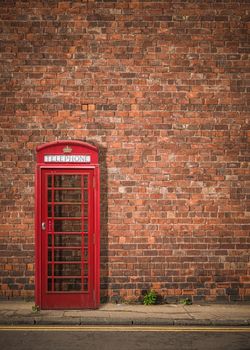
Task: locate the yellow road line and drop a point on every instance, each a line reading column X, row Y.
column 125, row 329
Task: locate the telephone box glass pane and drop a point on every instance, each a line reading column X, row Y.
column 86, row 241
column 67, row 225
column 49, row 211
column 67, row 284
column 67, row 255
column 86, row 226
column 50, row 181
column 67, row 240
column 85, row 270
column 49, row 240
column 85, row 181
column 67, row 270
column 67, row 196
column 49, row 270
column 67, row 210
column 85, row 285
column 86, row 254
column 49, row 284
column 49, row 255
column 67, row 181
column 49, row 196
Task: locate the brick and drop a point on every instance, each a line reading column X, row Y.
column 84, row 107
column 91, row 107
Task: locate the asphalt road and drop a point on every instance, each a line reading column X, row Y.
column 112, row 337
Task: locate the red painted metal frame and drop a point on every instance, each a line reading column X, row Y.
column 77, row 148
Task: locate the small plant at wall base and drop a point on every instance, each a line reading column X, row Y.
column 150, row 298
column 35, row 308
column 186, row 301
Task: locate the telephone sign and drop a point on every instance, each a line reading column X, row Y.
column 67, row 158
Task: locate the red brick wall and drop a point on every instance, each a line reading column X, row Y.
column 161, row 88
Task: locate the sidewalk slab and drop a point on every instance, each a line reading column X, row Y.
column 20, row 313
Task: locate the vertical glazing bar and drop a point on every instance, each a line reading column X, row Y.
column 88, row 188
column 92, row 234
column 82, row 233
column 46, row 190
column 52, row 231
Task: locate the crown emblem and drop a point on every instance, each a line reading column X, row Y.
column 67, row 149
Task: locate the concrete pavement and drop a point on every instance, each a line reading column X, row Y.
column 20, row 312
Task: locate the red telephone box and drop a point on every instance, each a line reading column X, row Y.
column 67, row 226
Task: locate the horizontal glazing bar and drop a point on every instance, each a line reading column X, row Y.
column 66, row 188
column 71, row 233
column 63, row 277
column 64, row 202
column 68, row 218
column 67, row 248
column 68, row 292
column 64, row 262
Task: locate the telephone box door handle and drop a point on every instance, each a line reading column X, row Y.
column 43, row 226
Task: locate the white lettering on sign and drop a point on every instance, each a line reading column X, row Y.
column 67, row 158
